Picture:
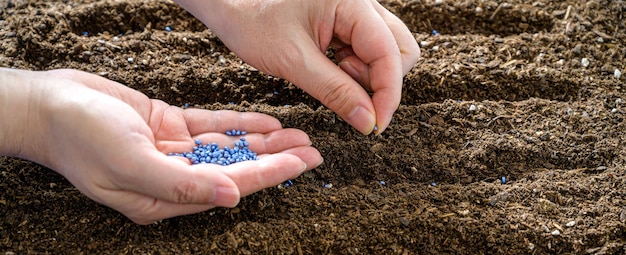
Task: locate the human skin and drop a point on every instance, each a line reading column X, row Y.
column 288, row 39
column 111, row 142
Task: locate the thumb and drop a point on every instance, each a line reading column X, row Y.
column 168, row 179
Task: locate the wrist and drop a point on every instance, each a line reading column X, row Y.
column 18, row 106
column 210, row 12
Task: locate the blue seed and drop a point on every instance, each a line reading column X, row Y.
column 168, row 29
column 433, row 184
column 186, row 106
column 85, row 33
column 503, row 179
column 288, row 183
column 382, row 183
column 435, row 32
column 211, row 153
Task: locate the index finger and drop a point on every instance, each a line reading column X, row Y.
column 374, row 43
column 204, row 121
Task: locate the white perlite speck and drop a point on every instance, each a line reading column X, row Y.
column 617, row 73
column 584, row 62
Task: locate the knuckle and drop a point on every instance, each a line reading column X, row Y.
column 184, row 192
column 69, row 74
column 335, row 97
column 416, row 52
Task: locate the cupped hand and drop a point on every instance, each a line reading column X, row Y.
column 111, row 142
column 289, row 38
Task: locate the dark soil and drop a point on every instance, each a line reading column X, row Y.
column 500, row 92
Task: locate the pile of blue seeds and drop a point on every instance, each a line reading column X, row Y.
column 211, row 153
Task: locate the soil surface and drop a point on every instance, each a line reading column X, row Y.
column 525, row 90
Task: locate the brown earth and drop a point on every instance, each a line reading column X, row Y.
column 501, row 92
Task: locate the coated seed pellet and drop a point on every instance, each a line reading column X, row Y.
column 211, row 153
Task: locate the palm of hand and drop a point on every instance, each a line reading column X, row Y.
column 116, row 150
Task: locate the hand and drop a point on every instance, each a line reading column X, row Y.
column 111, row 142
column 288, row 39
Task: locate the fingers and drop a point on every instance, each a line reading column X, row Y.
column 252, row 176
column 374, row 43
column 289, row 141
column 165, row 178
column 274, row 142
column 409, row 49
column 247, row 177
column 145, row 210
column 308, row 154
column 360, row 25
column 278, row 141
column 203, row 121
column 365, row 51
column 354, row 66
column 325, row 81
column 209, row 126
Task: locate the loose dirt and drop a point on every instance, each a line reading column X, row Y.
column 503, row 90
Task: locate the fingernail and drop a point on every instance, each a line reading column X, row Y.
column 226, row 197
column 362, row 119
column 348, row 68
column 304, row 168
column 385, row 125
column 319, row 163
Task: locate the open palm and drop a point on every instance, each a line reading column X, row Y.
column 112, row 142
